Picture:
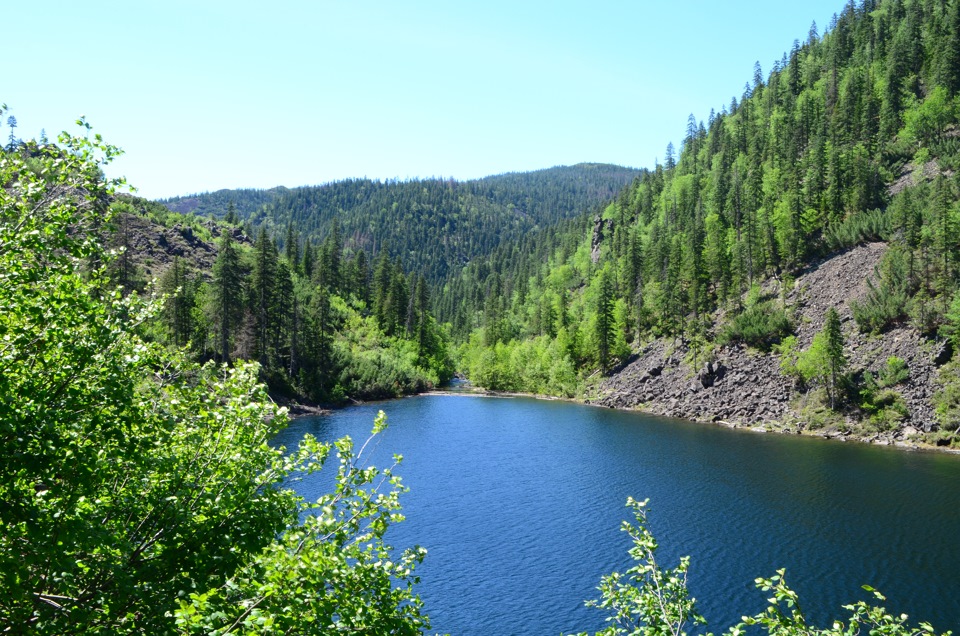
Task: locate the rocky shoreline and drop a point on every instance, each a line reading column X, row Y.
column 742, row 388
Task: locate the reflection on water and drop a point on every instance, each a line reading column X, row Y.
column 519, row 503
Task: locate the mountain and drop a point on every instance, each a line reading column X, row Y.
column 852, row 139
column 434, row 226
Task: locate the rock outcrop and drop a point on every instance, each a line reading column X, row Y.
column 152, row 246
column 601, row 228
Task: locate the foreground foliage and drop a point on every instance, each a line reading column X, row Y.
column 140, row 493
column 650, row 600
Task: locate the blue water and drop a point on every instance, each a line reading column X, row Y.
column 519, row 503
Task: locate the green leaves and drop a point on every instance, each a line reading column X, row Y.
column 649, row 600
column 140, row 490
column 332, row 572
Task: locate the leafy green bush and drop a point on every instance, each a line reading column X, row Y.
column 650, row 599
column 538, row 365
column 946, row 400
column 893, row 373
column 880, row 309
column 140, row 491
column 885, row 406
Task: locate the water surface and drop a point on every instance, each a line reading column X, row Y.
column 519, row 503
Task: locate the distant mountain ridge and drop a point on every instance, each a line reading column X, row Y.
column 433, row 226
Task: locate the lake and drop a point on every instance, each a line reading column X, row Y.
column 519, row 503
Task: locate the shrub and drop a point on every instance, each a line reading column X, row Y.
column 893, row 373
column 946, row 401
column 859, row 227
column 651, row 599
column 887, row 300
column 761, row 325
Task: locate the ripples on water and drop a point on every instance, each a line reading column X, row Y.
column 519, row 504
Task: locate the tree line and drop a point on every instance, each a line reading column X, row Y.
column 435, row 226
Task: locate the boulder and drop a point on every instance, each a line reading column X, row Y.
column 942, row 352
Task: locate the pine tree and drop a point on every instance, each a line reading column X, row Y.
column 12, row 123
column 358, row 280
column 123, row 269
column 322, row 341
column 332, row 254
column 950, row 54
column 227, row 293
column 836, row 360
column 262, row 302
column 308, row 261
column 944, row 240
column 423, row 319
column 177, row 314
column 605, row 324
column 395, row 306
column 291, row 247
column 382, row 275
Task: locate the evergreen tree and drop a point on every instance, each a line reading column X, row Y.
column 836, row 360
column 358, row 279
column 825, row 361
column 178, row 315
column 949, row 75
column 291, row 247
column 263, row 302
column 123, row 270
column 323, row 333
column 227, row 293
column 332, row 253
column 605, row 324
column 12, row 140
column 382, row 276
column 422, row 319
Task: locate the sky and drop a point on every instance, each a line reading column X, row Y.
column 203, row 94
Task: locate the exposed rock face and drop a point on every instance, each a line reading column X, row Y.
column 599, row 226
column 746, row 387
column 153, row 246
column 736, row 387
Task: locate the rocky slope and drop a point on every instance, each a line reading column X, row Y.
column 151, row 247
column 742, row 387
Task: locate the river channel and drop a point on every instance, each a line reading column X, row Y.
column 519, row 502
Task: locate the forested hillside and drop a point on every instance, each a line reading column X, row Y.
column 323, row 326
column 433, row 226
column 851, row 137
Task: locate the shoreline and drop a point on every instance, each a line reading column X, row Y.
column 776, row 428
column 297, row 410
column 764, row 427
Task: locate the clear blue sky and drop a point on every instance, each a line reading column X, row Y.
column 204, row 95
